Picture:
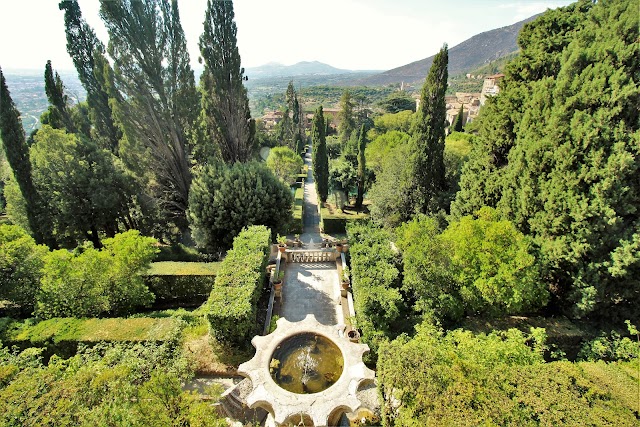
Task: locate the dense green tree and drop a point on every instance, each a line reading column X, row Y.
column 226, row 198
column 477, row 265
column 152, row 72
column 92, row 283
column 362, row 167
column 87, row 191
column 555, row 154
column 17, row 152
column 428, row 137
column 225, row 102
column 457, row 125
column 320, row 158
column 380, row 148
column 58, row 100
column 21, row 263
column 398, row 101
column 342, row 180
column 87, row 53
column 391, row 192
column 285, row 163
column 346, row 117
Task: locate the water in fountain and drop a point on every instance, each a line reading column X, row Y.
column 306, row 363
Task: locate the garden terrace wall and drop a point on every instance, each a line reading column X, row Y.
column 232, row 305
column 61, row 336
column 181, row 283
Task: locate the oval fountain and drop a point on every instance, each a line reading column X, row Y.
column 306, row 370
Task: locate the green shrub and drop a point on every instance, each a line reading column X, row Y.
column 93, row 283
column 459, row 378
column 231, row 308
column 376, row 280
column 181, row 282
column 333, row 221
column 297, row 225
column 62, row 336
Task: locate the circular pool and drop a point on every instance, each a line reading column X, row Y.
column 306, row 363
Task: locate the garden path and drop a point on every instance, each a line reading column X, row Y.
column 311, row 288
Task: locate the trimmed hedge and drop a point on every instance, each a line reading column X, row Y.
column 231, row 308
column 62, row 335
column 334, row 221
column 381, row 311
column 181, row 282
column 297, row 225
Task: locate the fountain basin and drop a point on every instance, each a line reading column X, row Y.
column 318, row 406
column 306, row 363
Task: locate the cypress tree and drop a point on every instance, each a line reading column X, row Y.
column 17, row 153
column 153, row 71
column 362, row 166
column 87, row 53
column 320, row 159
column 55, row 94
column 429, row 135
column 457, row 123
column 225, row 102
column 347, row 121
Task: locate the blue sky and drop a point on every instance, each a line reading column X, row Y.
column 350, row 34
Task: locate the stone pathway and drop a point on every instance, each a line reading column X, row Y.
column 311, row 288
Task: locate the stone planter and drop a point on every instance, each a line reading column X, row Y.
column 354, row 335
column 344, row 288
column 282, row 248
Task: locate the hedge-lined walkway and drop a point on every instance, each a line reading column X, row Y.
column 311, row 288
column 311, row 219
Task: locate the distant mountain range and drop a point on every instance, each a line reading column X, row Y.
column 464, row 57
column 304, row 68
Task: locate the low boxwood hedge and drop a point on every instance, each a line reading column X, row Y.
column 181, row 283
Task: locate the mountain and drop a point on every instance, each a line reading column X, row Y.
column 468, row 55
column 305, row 68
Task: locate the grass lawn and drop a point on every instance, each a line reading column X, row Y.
column 174, row 268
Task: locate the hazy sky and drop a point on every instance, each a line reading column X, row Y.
column 350, row 34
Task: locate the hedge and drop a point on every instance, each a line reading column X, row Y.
column 376, row 281
column 62, row 335
column 181, row 282
column 334, row 221
column 231, row 308
column 297, row 225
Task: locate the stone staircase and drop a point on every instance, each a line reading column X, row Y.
column 234, row 406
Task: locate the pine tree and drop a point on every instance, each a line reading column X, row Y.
column 17, row 153
column 320, row 159
column 457, row 123
column 225, row 102
column 87, row 53
column 54, row 88
column 362, row 166
column 429, row 135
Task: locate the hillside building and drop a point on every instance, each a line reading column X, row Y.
column 490, row 87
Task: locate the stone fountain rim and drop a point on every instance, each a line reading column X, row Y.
column 319, row 406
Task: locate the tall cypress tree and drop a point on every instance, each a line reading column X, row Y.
column 17, row 153
column 87, row 53
column 225, row 102
column 429, row 135
column 362, row 166
column 347, row 121
column 457, row 123
column 55, row 94
column 320, row 159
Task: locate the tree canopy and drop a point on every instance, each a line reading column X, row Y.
column 557, row 152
